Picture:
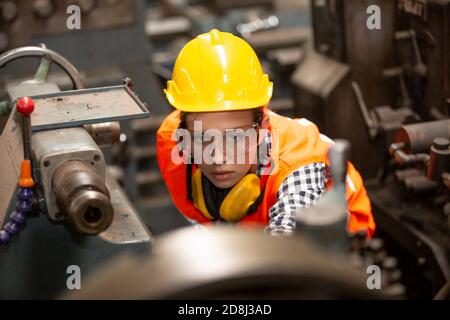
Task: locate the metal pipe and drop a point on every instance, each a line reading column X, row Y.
column 82, row 197
column 401, row 157
column 104, row 134
column 418, row 138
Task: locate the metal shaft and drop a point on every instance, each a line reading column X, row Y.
column 82, row 197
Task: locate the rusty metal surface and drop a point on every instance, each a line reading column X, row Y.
column 81, row 107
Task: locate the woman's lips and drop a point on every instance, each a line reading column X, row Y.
column 222, row 176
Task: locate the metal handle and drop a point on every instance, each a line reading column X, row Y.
column 34, row 51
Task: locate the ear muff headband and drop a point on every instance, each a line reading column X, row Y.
column 197, row 194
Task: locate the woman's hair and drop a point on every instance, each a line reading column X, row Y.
column 257, row 117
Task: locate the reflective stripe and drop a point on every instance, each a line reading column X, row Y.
column 350, row 183
column 326, row 139
column 304, row 122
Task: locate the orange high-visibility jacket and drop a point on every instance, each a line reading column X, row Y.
column 295, row 143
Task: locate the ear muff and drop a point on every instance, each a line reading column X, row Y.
column 240, row 198
column 236, row 204
column 197, row 194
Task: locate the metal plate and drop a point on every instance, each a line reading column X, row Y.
column 80, row 107
column 127, row 226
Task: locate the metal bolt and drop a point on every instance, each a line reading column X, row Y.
column 441, row 143
column 421, row 261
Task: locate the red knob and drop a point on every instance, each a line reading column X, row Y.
column 25, row 106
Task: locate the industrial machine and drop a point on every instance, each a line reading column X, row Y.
column 77, row 149
column 110, row 45
column 391, row 86
column 73, row 210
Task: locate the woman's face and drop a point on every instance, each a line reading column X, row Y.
column 222, row 169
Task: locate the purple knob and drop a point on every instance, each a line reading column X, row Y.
column 24, row 206
column 12, row 228
column 18, row 217
column 25, row 194
column 4, row 237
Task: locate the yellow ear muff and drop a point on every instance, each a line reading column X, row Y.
column 197, row 194
column 237, row 202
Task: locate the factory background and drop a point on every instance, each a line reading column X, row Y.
column 386, row 91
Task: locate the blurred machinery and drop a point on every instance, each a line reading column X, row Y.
column 59, row 135
column 228, row 263
column 319, row 262
column 392, row 87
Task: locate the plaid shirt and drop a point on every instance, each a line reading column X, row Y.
column 301, row 189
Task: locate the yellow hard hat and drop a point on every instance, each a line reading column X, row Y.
column 218, row 71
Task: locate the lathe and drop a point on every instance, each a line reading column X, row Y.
column 70, row 194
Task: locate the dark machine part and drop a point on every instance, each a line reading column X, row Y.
column 381, row 81
column 427, row 144
column 423, row 48
column 329, row 28
column 439, row 163
column 419, row 137
column 416, row 231
column 413, row 145
column 409, row 69
column 411, row 206
column 326, row 222
column 82, row 197
column 383, row 120
column 228, row 263
column 339, row 155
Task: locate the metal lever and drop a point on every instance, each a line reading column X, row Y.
column 398, row 72
column 419, row 68
column 368, row 119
